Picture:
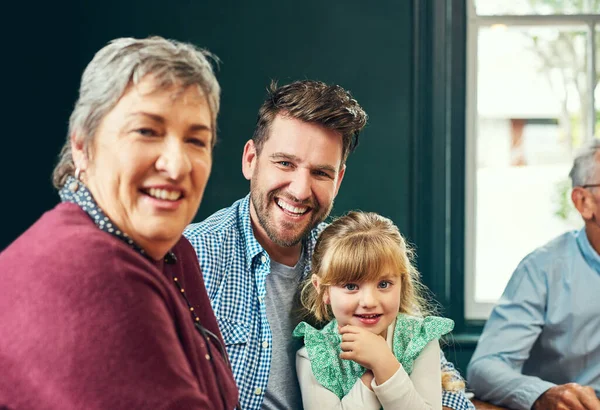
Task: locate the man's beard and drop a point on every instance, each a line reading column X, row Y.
column 261, row 203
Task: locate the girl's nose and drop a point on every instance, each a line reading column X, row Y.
column 368, row 298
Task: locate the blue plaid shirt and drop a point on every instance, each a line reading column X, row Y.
column 235, row 267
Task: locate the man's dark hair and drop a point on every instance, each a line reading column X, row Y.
column 329, row 106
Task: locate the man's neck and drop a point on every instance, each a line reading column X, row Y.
column 592, row 232
column 287, row 256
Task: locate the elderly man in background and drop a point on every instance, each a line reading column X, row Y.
column 255, row 253
column 540, row 348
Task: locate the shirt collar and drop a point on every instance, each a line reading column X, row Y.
column 76, row 192
column 588, row 252
column 253, row 248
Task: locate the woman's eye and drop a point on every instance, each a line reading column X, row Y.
column 198, row 142
column 350, row 286
column 147, row 132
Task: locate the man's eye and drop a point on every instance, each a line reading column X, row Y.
column 322, row 174
column 285, row 163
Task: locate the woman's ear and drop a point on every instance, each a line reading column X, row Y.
column 78, row 152
column 316, row 281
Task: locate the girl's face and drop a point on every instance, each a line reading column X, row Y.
column 370, row 304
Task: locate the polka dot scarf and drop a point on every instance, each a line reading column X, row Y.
column 76, row 192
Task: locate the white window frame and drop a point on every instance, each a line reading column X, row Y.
column 478, row 310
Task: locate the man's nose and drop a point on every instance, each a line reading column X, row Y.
column 301, row 185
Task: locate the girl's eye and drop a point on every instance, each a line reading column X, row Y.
column 350, row 286
column 384, row 284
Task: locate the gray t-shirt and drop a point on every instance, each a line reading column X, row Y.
column 282, row 303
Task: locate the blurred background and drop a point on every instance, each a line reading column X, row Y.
column 475, row 110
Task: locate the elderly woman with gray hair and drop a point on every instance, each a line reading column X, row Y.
column 102, row 303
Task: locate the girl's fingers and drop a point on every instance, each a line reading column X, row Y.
column 349, row 329
column 347, row 355
column 347, row 346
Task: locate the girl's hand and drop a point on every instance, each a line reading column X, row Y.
column 363, row 347
column 370, row 351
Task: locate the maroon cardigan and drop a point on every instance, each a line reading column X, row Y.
column 86, row 322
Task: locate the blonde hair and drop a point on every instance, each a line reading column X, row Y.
column 364, row 246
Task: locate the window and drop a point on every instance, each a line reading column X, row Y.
column 532, row 99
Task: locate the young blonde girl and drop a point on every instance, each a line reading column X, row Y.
column 381, row 349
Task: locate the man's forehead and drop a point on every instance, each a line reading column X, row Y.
column 288, row 134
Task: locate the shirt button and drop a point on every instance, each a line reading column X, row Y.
column 261, row 298
column 258, row 391
column 265, row 344
column 263, row 259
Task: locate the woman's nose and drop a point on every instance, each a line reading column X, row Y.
column 173, row 160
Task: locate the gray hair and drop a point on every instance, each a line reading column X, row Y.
column 584, row 164
column 126, row 61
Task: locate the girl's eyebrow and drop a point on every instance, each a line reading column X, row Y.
column 390, row 277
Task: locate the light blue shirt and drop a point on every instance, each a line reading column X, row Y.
column 235, row 266
column 545, row 329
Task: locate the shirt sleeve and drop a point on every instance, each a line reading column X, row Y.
column 456, row 400
column 420, row 391
column 495, row 370
column 317, row 397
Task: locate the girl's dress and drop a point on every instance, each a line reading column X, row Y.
column 328, row 382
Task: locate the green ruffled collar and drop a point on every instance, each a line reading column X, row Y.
column 411, row 335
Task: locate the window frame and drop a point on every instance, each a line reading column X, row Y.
column 438, row 145
column 479, row 310
column 442, row 181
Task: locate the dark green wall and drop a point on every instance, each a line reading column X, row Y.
column 369, row 47
column 363, row 46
